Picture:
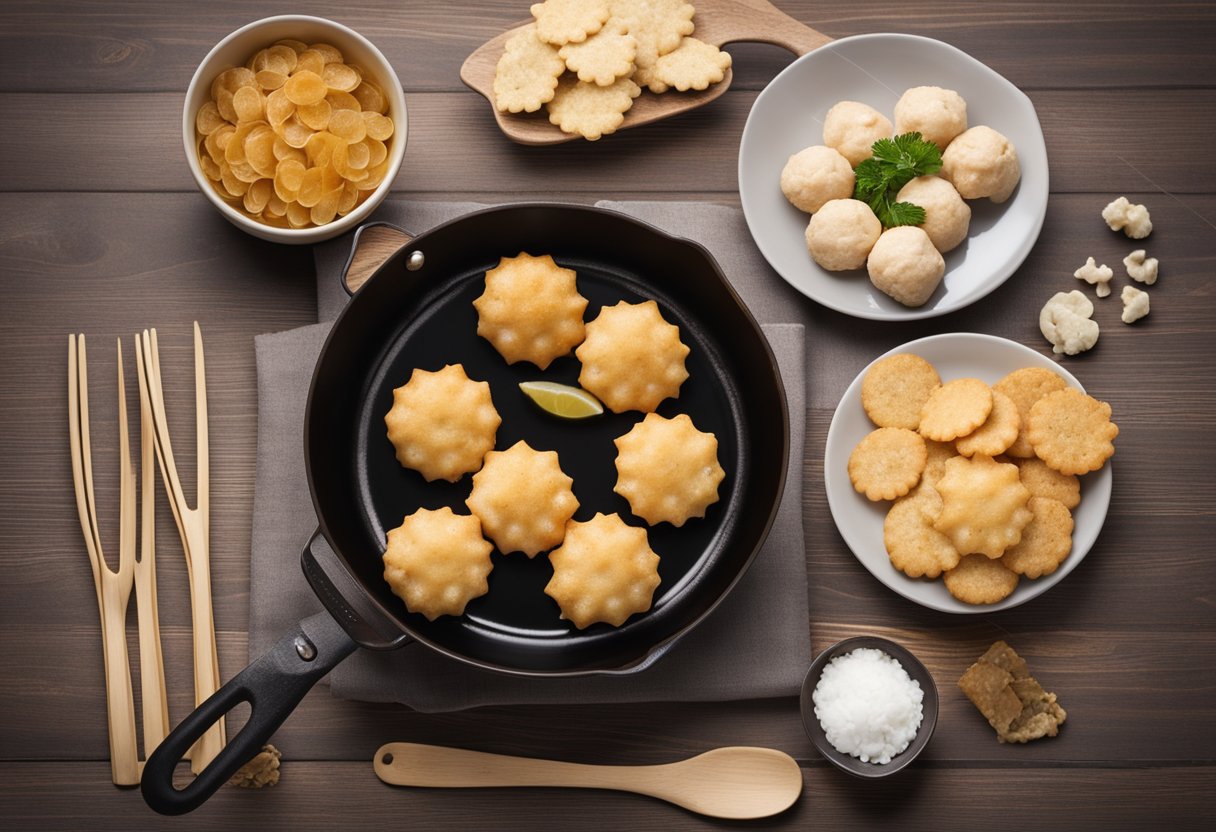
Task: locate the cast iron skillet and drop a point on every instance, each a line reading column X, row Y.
column 416, row 311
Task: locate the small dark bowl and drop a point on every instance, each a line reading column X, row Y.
column 846, row 762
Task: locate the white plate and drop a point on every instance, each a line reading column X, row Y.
column 955, row 355
column 876, row 69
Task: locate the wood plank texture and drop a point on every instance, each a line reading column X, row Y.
column 81, row 46
column 1097, row 141
column 347, row 796
column 102, row 231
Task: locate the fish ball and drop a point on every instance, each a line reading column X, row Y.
column 815, row 175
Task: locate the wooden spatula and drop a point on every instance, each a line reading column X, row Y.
column 718, row 22
column 737, row 782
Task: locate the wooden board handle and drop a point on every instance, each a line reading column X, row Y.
column 373, row 245
column 758, row 21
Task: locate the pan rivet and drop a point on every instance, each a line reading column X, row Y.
column 305, row 648
column 415, row 262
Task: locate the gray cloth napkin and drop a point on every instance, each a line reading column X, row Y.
column 755, row 645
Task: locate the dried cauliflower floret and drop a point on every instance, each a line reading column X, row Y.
column 1095, row 275
column 262, row 770
column 1065, row 321
column 1135, row 304
column 1140, row 267
column 1133, row 220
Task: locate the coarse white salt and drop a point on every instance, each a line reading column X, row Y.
column 868, row 705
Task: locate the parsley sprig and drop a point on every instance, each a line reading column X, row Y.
column 895, row 163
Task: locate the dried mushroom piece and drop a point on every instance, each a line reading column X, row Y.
column 1013, row 702
column 262, row 770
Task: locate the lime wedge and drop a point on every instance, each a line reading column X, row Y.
column 562, row 400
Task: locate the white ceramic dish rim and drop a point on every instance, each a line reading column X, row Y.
column 392, row 88
column 1036, row 155
column 1095, row 488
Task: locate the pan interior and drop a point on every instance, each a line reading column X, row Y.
column 515, row 623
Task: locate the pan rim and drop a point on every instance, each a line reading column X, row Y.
column 654, row 651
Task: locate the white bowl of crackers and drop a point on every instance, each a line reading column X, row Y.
column 969, row 473
column 294, row 128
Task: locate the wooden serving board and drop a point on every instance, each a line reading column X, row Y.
column 718, row 22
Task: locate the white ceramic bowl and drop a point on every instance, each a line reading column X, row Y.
column 955, row 355
column 242, row 44
column 876, row 69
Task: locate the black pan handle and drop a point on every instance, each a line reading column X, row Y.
column 346, row 600
column 273, row 686
column 374, row 243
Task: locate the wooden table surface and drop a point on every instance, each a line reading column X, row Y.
column 104, row 232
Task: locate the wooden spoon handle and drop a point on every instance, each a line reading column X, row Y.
column 414, row 764
column 759, row 21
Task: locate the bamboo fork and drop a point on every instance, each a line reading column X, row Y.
column 193, row 524
column 113, row 588
column 155, row 704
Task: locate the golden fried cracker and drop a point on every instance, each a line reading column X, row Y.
column 523, row 499
column 632, row 358
column 997, row 433
column 442, row 423
column 590, row 110
column 604, row 571
column 667, row 469
column 980, row 580
column 1072, row 432
column 955, row 409
column 914, row 546
column 437, row 561
column 1046, row 540
column 531, row 309
column 887, row 463
column 1025, row 387
column 693, row 65
column 569, row 21
column 935, row 464
column 526, row 75
column 983, row 505
column 603, row 57
column 894, row 390
column 1044, row 481
column 658, row 26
